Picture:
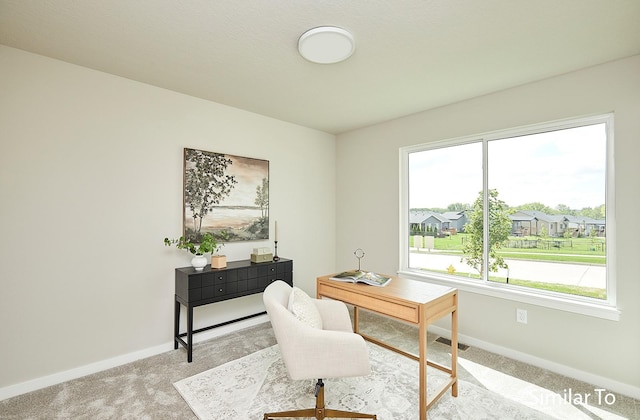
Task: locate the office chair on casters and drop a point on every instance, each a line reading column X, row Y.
column 316, row 340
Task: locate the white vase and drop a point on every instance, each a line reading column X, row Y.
column 199, row 262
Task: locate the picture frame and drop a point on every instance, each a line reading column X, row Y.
column 225, row 195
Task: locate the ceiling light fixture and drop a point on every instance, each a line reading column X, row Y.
column 326, row 45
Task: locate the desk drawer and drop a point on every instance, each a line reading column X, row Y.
column 405, row 311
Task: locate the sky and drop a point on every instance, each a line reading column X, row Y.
column 559, row 167
column 249, row 173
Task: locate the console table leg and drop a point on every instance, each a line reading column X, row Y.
column 189, row 333
column 176, row 324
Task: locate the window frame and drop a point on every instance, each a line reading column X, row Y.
column 606, row 309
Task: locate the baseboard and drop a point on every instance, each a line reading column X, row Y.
column 596, row 380
column 56, row 378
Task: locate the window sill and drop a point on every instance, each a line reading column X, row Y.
column 583, row 307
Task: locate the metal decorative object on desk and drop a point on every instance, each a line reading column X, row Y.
column 275, row 255
column 359, row 253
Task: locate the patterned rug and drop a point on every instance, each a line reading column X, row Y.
column 248, row 387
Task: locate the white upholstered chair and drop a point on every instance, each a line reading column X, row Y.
column 317, row 341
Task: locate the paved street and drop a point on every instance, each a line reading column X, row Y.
column 550, row 272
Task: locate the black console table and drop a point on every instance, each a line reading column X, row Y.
column 239, row 278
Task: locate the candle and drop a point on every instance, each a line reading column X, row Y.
column 276, row 231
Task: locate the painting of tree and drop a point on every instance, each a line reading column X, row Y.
column 225, row 193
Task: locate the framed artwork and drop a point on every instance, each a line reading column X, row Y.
column 225, row 193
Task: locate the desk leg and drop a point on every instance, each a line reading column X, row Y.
column 189, row 333
column 176, row 324
column 423, row 368
column 454, row 347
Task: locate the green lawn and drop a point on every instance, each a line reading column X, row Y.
column 591, row 292
column 575, row 250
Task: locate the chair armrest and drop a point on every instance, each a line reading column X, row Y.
column 335, row 315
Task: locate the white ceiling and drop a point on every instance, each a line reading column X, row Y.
column 411, row 55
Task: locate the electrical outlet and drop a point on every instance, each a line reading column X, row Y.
column 521, row 316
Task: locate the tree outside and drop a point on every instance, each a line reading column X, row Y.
column 499, row 230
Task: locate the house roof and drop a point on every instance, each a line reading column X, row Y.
column 411, row 55
column 583, row 219
column 530, row 215
column 421, row 216
column 543, row 216
column 453, row 215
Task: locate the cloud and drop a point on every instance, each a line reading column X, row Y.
column 559, row 167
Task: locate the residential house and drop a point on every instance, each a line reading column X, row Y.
column 458, row 219
column 428, row 221
column 533, row 222
column 581, row 225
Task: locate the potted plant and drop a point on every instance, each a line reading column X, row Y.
column 208, row 244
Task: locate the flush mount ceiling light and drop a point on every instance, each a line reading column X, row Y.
column 326, row 45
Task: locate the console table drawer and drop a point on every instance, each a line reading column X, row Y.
column 284, row 267
column 263, row 282
column 225, row 289
column 220, row 278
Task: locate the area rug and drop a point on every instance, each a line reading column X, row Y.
column 252, row 385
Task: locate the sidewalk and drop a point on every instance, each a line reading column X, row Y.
column 549, row 272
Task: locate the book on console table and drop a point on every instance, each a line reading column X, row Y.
column 359, row 276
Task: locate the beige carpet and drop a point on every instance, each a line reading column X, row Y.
column 144, row 389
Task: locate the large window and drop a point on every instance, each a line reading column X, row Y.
column 523, row 211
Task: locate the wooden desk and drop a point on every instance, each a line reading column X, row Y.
column 407, row 300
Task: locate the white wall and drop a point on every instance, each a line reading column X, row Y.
column 367, row 215
column 90, row 184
